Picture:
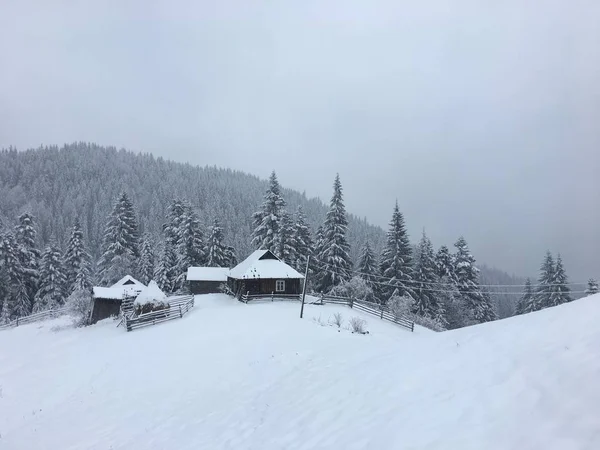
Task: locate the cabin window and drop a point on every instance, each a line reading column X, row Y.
column 280, row 286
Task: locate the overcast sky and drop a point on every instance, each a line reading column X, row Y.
column 481, row 117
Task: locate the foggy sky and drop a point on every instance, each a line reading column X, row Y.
column 480, row 118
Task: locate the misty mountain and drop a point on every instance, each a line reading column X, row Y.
column 83, row 180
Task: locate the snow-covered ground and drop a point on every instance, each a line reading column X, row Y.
column 236, row 376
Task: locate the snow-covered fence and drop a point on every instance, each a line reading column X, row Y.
column 271, row 297
column 50, row 314
column 375, row 309
column 178, row 307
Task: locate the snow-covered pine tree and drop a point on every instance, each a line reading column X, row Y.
column 11, row 275
column 526, row 303
column 22, row 302
column 444, row 264
column 267, row 221
column 286, row 246
column 559, row 290
column 367, row 267
column 190, row 252
column 424, row 299
column 478, row 306
column 592, row 287
column 175, row 216
column 316, row 267
column 166, row 271
column 335, row 250
column 302, row 240
column 120, row 243
column 216, row 250
column 29, row 257
column 146, row 264
column 396, row 259
column 77, row 261
column 231, row 257
column 51, row 293
column 542, row 298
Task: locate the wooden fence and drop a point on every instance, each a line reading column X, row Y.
column 178, row 307
column 272, row 297
column 375, row 309
column 50, row 314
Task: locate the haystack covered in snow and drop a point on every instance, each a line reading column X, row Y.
column 106, row 301
column 262, row 273
column 206, row 280
column 150, row 299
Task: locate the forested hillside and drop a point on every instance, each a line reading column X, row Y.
column 83, row 180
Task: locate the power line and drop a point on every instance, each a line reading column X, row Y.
column 456, row 290
column 451, row 284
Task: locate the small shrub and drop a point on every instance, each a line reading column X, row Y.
column 79, row 305
column 358, row 325
column 338, row 319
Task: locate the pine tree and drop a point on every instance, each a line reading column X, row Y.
column 477, row 305
column 11, row 276
column 285, row 245
column 367, row 267
column 444, row 264
column 302, row 240
column 166, row 272
column 77, row 261
column 559, row 291
column 526, row 303
column 316, row 268
column 175, row 216
column 592, row 287
column 543, row 294
column 424, row 300
column 191, row 245
column 22, row 302
column 120, row 243
column 51, row 293
column 396, row 258
column 267, row 221
column 216, row 250
column 335, row 250
column 29, row 257
column 146, row 265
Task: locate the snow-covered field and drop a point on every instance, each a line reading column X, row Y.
column 235, row 376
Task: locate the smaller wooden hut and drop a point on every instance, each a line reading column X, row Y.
column 206, row 280
column 263, row 273
column 106, row 301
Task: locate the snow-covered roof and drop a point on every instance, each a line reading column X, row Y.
column 150, row 294
column 128, row 280
column 116, row 293
column 207, row 273
column 260, row 264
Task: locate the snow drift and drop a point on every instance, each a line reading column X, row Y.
column 235, row 376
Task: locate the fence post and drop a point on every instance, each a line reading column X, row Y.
column 381, row 307
column 247, row 296
column 17, row 322
column 271, row 296
column 180, row 313
column 351, row 302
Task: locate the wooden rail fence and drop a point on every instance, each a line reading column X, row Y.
column 50, row 314
column 375, row 309
column 247, row 297
column 178, row 307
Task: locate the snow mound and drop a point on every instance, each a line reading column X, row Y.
column 238, row 376
column 151, row 294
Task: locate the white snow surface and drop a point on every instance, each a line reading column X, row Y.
column 150, row 294
column 116, row 293
column 207, row 273
column 235, row 376
column 254, row 267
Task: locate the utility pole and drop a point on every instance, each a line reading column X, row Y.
column 304, row 288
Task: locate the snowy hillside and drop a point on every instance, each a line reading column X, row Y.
column 236, row 376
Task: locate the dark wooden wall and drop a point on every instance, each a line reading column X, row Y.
column 205, row 287
column 105, row 308
column 265, row 286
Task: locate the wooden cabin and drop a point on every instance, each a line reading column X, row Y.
column 106, row 301
column 262, row 273
column 206, row 280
